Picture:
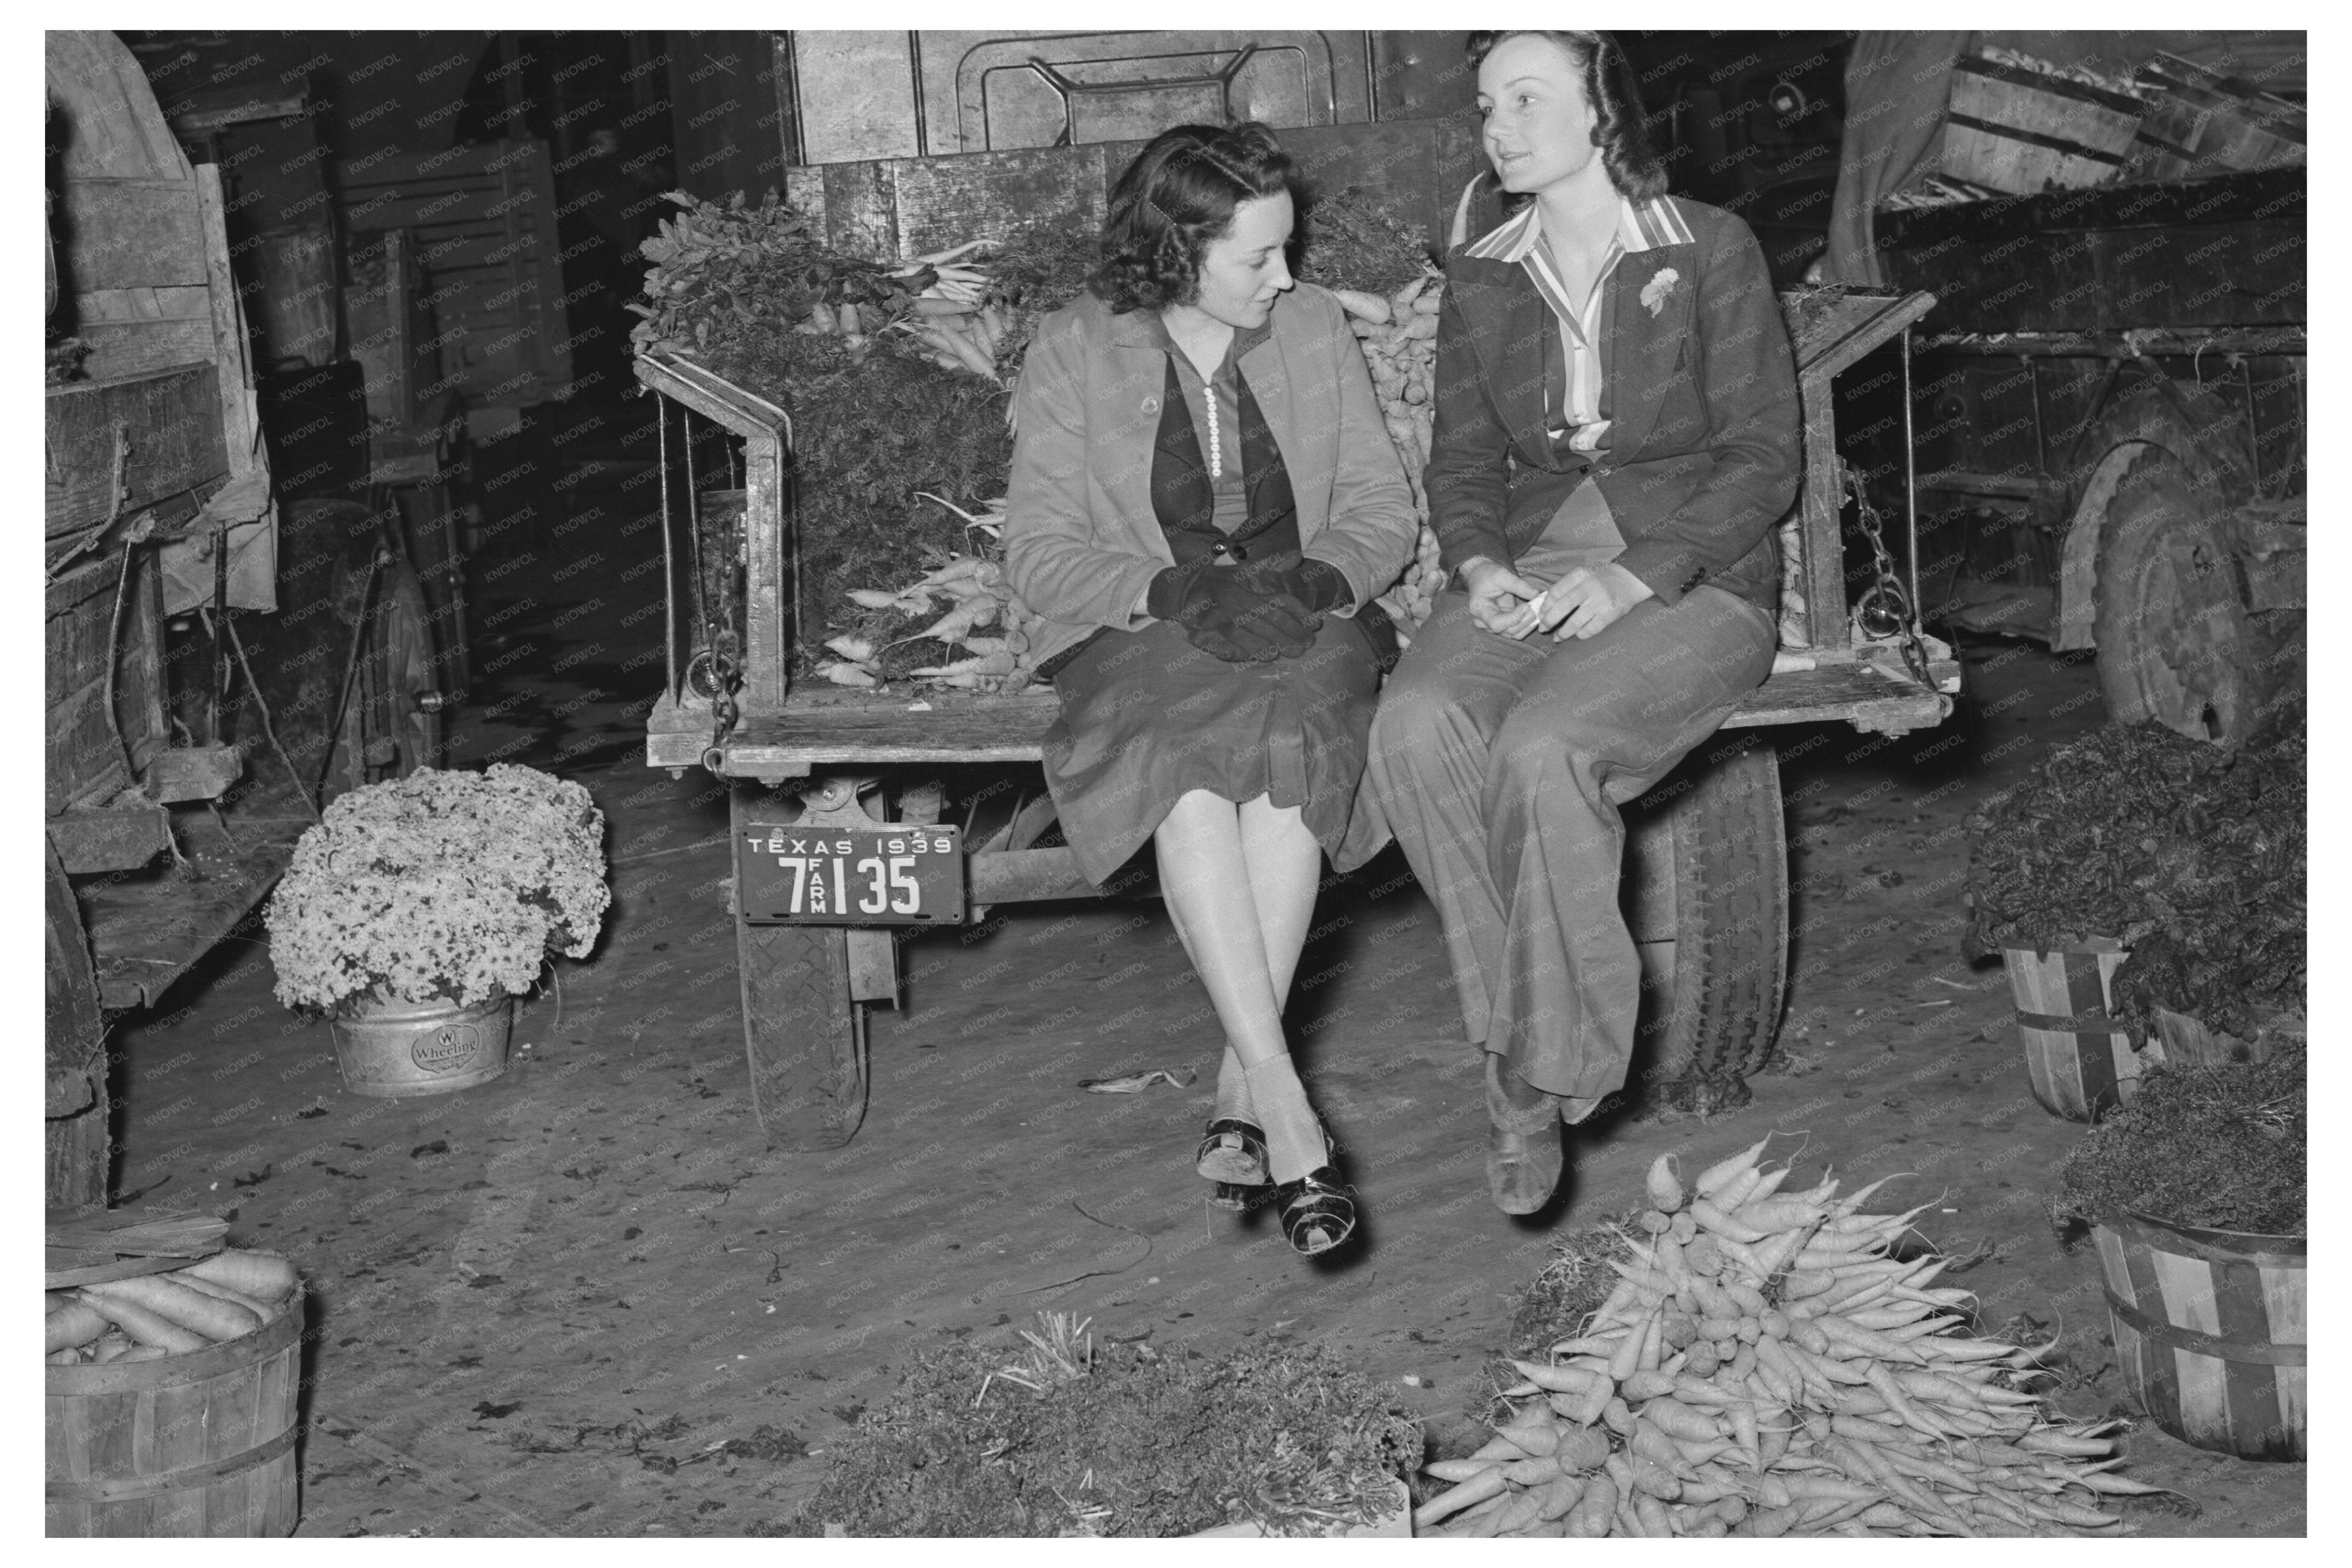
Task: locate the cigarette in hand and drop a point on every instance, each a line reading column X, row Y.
column 1533, row 611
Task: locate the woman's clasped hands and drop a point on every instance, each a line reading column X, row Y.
column 1241, row 617
column 1585, row 601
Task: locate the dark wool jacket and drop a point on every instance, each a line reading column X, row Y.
column 1702, row 457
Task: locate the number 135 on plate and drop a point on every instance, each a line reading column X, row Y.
column 849, row 876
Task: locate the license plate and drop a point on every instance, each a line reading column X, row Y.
column 849, row 876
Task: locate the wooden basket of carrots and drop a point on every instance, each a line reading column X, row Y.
column 1767, row 1366
column 170, row 1403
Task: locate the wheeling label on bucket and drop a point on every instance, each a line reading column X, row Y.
column 881, row 874
column 446, row 1049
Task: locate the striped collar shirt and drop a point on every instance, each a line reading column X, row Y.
column 1641, row 226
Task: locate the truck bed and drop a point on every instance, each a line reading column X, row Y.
column 831, row 726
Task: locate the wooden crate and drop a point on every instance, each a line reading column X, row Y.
column 295, row 304
column 388, row 323
column 2021, row 131
column 141, row 252
column 174, row 444
column 2198, row 125
column 481, row 225
column 896, row 207
column 84, row 766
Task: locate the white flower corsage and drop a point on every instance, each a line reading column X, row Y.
column 1656, row 293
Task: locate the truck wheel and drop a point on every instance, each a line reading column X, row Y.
column 2175, row 640
column 1712, row 879
column 803, row 1038
column 77, row 1106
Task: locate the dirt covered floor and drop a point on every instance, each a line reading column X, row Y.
column 587, row 1300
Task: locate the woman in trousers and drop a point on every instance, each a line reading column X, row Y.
column 1616, row 438
column 1204, row 503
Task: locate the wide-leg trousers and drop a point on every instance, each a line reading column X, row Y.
column 1500, row 766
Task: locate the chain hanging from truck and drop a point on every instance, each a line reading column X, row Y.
column 1885, row 611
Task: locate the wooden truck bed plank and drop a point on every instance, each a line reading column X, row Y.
column 867, row 727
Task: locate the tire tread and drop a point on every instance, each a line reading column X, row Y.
column 1731, row 909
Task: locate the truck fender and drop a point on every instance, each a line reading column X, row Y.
column 2078, row 569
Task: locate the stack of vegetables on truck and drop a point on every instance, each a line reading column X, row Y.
column 897, row 377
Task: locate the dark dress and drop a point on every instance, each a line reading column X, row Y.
column 1146, row 717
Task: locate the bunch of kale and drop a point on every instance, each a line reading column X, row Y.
column 2190, row 854
column 2220, row 1147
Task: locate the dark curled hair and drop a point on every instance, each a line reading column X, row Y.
column 1620, row 133
column 1179, row 194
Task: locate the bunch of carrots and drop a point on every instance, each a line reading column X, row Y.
column 210, row 1301
column 1766, row 1366
column 984, row 618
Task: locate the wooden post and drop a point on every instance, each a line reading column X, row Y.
column 1827, row 627
column 240, row 406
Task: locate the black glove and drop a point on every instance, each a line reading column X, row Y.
column 1317, row 584
column 1227, row 616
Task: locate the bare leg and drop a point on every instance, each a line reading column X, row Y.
column 1203, row 874
column 1284, row 863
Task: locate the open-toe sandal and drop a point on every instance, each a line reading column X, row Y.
column 1319, row 1210
column 1232, row 1154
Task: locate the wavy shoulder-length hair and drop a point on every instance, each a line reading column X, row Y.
column 1178, row 196
column 1622, row 136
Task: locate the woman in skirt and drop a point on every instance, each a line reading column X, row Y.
column 1204, row 503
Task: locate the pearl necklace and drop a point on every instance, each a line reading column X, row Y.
column 1217, row 455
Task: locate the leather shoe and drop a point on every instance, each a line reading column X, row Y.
column 1514, row 1104
column 1522, row 1168
column 1232, row 1154
column 1318, row 1210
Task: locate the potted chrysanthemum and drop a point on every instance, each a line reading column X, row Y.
column 416, row 912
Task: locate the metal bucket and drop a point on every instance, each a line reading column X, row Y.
column 391, row 1050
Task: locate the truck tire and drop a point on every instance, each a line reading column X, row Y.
column 803, row 1038
column 2175, row 642
column 1716, row 865
column 77, row 1107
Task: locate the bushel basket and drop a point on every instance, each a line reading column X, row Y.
column 2210, row 1330
column 2078, row 1058
column 198, row 1443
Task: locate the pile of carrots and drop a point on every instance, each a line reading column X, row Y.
column 1766, row 1367
column 209, row 1302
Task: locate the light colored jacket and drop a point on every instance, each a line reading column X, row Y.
column 1081, row 541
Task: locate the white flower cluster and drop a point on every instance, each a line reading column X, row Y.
column 443, row 885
